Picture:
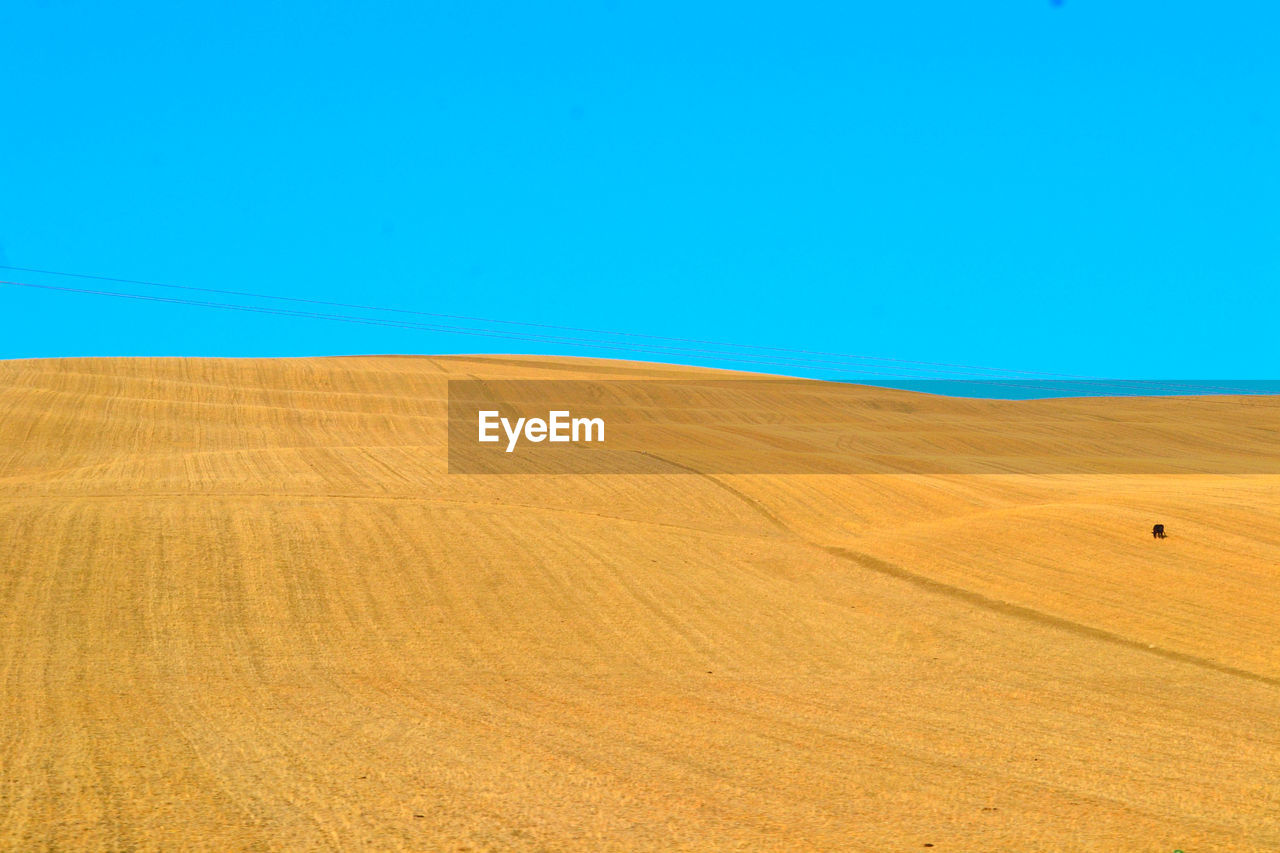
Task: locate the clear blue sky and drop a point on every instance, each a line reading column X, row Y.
column 1087, row 188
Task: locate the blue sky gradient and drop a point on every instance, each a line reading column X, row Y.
column 1087, row 188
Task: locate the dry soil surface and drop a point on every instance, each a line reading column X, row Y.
column 244, row 606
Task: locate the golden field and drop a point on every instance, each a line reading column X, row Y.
column 246, row 607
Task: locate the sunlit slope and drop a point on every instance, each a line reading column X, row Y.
column 245, row 607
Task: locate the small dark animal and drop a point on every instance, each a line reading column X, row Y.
column 1157, row 532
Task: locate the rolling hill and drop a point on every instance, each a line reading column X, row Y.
column 247, row 607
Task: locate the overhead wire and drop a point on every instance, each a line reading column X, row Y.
column 487, row 333
column 897, row 369
column 671, row 339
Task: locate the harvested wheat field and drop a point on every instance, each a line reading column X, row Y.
column 246, row 607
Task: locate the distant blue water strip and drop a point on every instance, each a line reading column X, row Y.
column 1037, row 389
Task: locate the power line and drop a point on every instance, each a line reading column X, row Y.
column 900, row 369
column 951, row 367
column 454, row 330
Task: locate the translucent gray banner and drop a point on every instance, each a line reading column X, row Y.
column 749, row 426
